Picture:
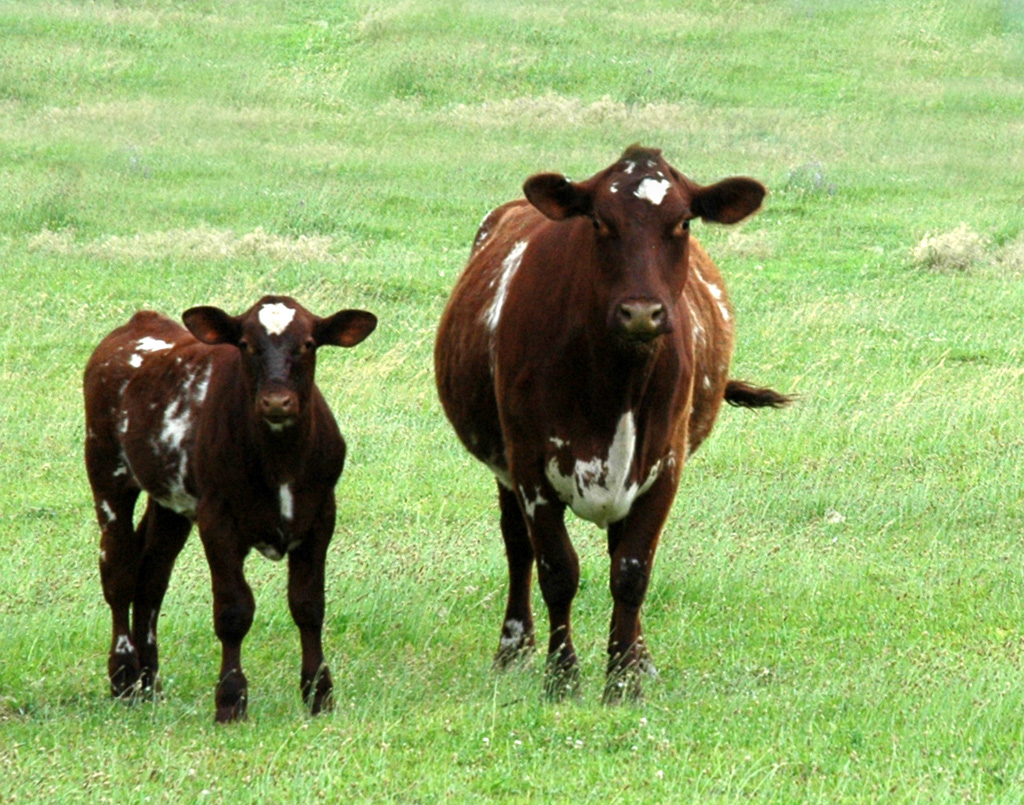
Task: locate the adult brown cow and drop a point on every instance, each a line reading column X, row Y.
column 583, row 356
column 222, row 425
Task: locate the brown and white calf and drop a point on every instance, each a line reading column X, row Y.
column 583, row 356
column 221, row 425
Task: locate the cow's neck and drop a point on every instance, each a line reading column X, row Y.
column 282, row 453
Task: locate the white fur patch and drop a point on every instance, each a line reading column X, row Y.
column 149, row 344
column 601, row 490
column 509, row 266
column 653, row 190
column 531, row 504
column 276, row 317
column 124, row 645
column 108, row 512
column 287, row 502
column 515, row 630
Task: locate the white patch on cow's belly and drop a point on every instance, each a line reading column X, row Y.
column 601, row 490
column 509, row 266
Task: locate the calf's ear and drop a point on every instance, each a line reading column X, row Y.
column 346, row 328
column 556, row 197
column 211, row 325
column 728, row 201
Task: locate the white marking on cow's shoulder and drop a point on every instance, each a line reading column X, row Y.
column 275, row 317
column 630, row 167
column 601, row 490
column 614, row 188
column 135, row 361
column 652, row 190
column 509, row 266
column 515, row 630
column 287, row 502
column 149, row 344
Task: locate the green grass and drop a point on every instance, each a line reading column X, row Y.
column 836, row 610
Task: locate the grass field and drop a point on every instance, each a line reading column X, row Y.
column 837, row 611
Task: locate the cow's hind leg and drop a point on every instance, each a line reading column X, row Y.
column 114, row 496
column 517, row 637
column 164, row 536
column 306, row 602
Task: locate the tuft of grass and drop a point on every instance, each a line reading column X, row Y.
column 958, row 250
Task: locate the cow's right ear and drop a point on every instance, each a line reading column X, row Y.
column 211, row 325
column 557, row 197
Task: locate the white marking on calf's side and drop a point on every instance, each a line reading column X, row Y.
column 150, row 344
column 275, row 317
column 653, row 190
column 509, row 266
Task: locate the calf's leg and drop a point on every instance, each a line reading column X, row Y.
column 164, row 535
column 114, row 497
column 233, row 611
column 306, row 601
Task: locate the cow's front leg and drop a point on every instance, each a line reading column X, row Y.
column 306, row 601
column 558, row 571
column 517, row 637
column 233, row 610
column 631, row 544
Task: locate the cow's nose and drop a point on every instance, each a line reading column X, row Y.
column 277, row 406
column 642, row 319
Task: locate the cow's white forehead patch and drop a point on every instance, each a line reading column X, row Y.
column 276, row 317
column 653, row 190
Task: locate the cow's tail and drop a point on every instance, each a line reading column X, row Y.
column 743, row 395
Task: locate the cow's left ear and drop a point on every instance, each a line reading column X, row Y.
column 346, row 328
column 211, row 325
column 728, row 201
column 557, row 197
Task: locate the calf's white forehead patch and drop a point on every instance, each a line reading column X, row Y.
column 653, row 190
column 276, row 317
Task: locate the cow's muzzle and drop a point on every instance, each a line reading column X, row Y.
column 278, row 408
column 642, row 319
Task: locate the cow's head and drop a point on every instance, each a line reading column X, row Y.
column 278, row 339
column 640, row 210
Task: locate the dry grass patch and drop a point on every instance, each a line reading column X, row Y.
column 198, row 243
column 955, row 251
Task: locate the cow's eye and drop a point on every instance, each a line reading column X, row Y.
column 680, row 229
column 601, row 227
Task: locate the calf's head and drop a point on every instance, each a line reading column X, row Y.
column 640, row 210
column 278, row 339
